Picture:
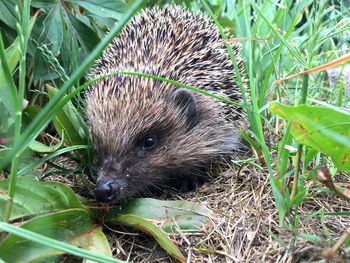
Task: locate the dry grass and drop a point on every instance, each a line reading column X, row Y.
column 245, row 225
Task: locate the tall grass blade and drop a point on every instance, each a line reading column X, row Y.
column 49, row 111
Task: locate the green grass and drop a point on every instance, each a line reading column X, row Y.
column 280, row 40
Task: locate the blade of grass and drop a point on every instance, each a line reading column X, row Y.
column 274, row 60
column 253, row 117
column 30, row 166
column 69, row 96
column 304, row 90
column 283, row 153
column 340, row 94
column 300, row 146
column 323, row 67
column 230, row 51
column 46, row 241
column 173, row 82
column 283, row 39
column 234, row 62
column 49, row 111
column 23, row 32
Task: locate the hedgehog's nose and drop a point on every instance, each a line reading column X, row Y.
column 106, row 190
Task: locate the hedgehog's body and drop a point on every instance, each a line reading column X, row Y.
column 147, row 132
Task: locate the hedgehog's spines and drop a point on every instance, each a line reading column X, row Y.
column 123, row 109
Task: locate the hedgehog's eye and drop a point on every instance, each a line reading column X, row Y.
column 149, row 141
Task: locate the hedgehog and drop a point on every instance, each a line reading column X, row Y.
column 150, row 134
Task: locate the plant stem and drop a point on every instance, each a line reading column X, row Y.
column 22, row 31
column 304, row 89
column 11, row 188
column 300, row 146
column 11, row 85
column 296, row 171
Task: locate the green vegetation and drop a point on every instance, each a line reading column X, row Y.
column 299, row 128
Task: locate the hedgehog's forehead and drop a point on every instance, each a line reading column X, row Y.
column 132, row 87
column 122, row 111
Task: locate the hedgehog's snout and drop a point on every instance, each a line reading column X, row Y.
column 107, row 190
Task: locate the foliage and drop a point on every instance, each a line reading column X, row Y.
column 53, row 210
column 322, row 128
column 46, row 47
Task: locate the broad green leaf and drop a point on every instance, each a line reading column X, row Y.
column 12, row 54
column 94, row 240
column 29, row 114
column 105, row 8
column 48, row 39
column 3, row 152
column 146, row 226
column 53, row 23
column 45, row 4
column 26, row 154
column 43, row 148
column 70, row 226
column 69, row 121
column 322, row 128
column 32, row 110
column 169, row 215
column 85, row 34
column 155, row 216
column 34, row 197
column 7, row 12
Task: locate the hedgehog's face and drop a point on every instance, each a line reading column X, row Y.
column 142, row 144
column 123, row 177
column 148, row 137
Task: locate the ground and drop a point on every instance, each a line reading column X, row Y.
column 245, row 225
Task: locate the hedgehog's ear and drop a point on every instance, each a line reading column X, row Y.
column 187, row 103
